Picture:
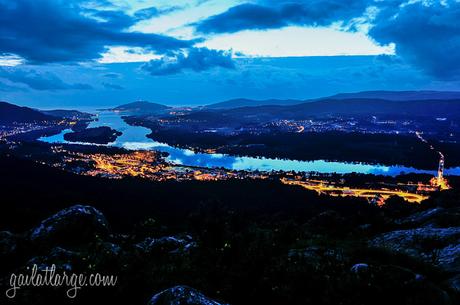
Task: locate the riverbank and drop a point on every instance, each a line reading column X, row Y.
column 137, row 137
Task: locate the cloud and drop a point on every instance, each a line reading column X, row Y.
column 112, row 86
column 112, row 75
column 7, row 88
column 197, row 59
column 151, row 12
column 426, row 34
column 278, row 14
column 39, row 80
column 50, row 31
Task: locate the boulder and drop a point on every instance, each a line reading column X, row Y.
column 359, row 268
column 181, row 295
column 89, row 257
column 439, row 246
column 76, row 224
column 420, row 218
column 437, row 218
column 167, row 244
column 63, row 259
column 388, row 274
column 449, row 257
column 101, row 254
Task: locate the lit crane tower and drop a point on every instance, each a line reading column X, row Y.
column 440, row 181
column 441, row 170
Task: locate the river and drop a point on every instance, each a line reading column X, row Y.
column 135, row 137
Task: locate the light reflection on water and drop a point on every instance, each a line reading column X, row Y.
column 135, row 137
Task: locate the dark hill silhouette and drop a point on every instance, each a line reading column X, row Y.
column 143, row 107
column 68, row 114
column 10, row 113
column 428, row 108
column 242, row 102
column 400, row 95
column 384, row 95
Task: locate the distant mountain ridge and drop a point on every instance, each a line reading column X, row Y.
column 432, row 103
column 429, row 108
column 10, row 113
column 400, row 95
column 243, row 102
column 384, row 95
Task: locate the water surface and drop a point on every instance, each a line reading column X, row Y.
column 135, row 137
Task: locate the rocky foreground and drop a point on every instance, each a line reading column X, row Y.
column 86, row 229
column 418, row 261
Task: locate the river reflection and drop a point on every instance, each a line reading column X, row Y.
column 135, row 137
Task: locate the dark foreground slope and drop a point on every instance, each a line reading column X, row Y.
column 34, row 191
column 240, row 242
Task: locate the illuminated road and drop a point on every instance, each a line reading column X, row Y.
column 345, row 191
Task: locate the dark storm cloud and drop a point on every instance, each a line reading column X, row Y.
column 427, row 36
column 277, row 14
column 39, row 80
column 197, row 59
column 425, row 33
column 48, row 31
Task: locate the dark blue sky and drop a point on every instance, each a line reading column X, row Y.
column 78, row 53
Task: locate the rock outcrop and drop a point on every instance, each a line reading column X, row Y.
column 436, row 218
column 438, row 246
column 167, row 244
column 62, row 259
column 70, row 226
column 181, row 295
column 359, row 268
column 433, row 245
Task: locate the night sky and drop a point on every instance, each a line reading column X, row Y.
column 89, row 54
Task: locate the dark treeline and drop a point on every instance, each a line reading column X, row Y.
column 98, row 135
column 333, row 146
